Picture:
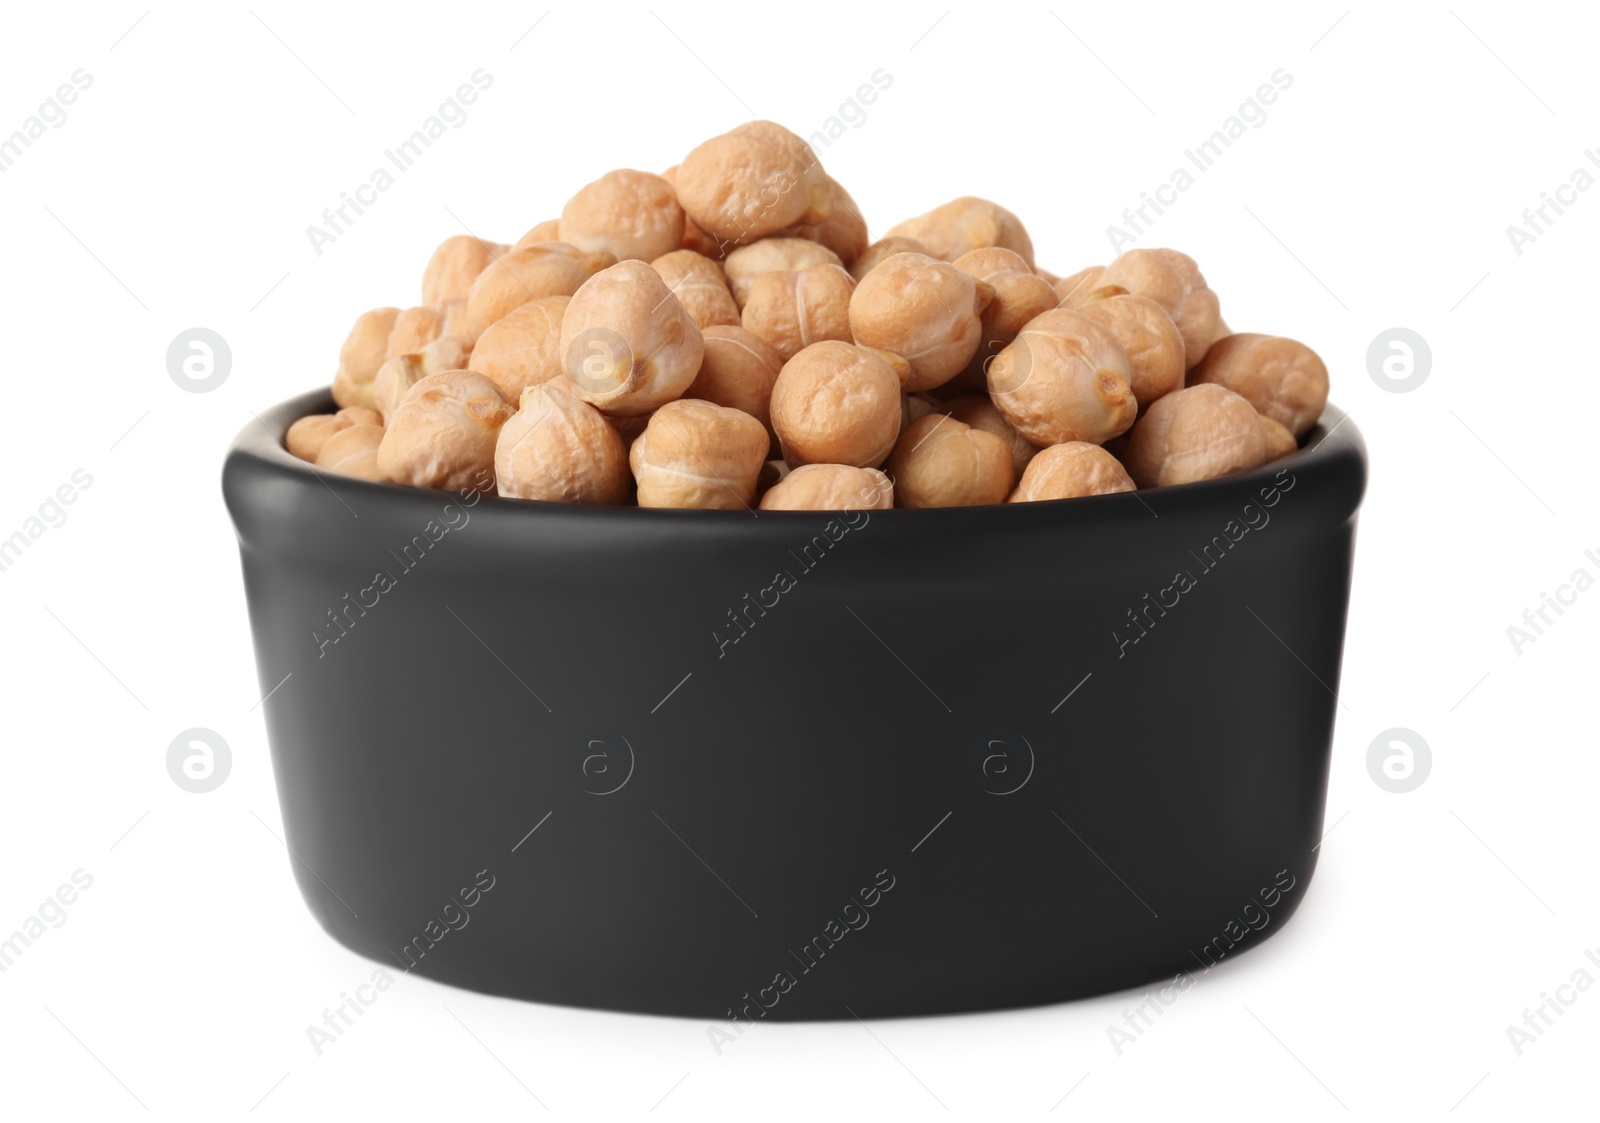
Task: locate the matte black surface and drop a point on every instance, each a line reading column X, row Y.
column 771, row 785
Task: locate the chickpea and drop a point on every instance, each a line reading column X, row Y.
column 695, row 238
column 307, row 436
column 881, row 250
column 361, row 355
column 545, row 269
column 523, row 348
column 792, row 310
column 1064, row 378
column 747, row 264
column 698, row 454
column 914, row 407
column 627, row 343
column 1081, row 282
column 738, row 371
column 417, row 327
column 1068, row 470
column 942, row 462
column 1197, row 433
column 753, row 181
column 979, row 412
column 396, row 376
column 547, row 231
column 625, row 213
column 923, row 309
column 1019, row 296
column 844, row 231
column 455, row 265
column 1280, row 442
column 835, row 403
column 561, row 450
column 1050, row 278
column 443, row 433
column 1150, row 338
column 1285, row 380
column 1172, row 280
column 830, row 487
column 699, row 285
column 353, row 452
column 966, row 224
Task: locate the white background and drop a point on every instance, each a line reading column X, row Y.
column 1377, row 194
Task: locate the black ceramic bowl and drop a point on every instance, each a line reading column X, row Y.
column 736, row 767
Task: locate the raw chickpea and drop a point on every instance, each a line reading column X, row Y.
column 792, row 310
column 361, row 355
column 560, row 450
column 979, row 412
column 547, row 231
column 830, row 487
column 627, row 342
column 443, row 433
column 625, row 213
column 545, row 269
column 698, row 454
column 835, row 403
column 1280, row 442
column 914, row 407
column 1197, row 433
column 942, row 462
column 695, row 238
column 306, row 436
column 524, row 348
column 747, row 264
column 844, row 231
column 417, row 327
column 699, row 285
column 738, row 371
column 966, row 224
column 396, row 376
column 353, row 452
column 753, row 181
column 1150, row 338
column 1064, row 378
column 1285, row 380
column 883, row 249
column 1172, row 280
column 1075, row 286
column 1019, row 296
column 1049, row 278
column 1066, row 471
column 923, row 309
column 455, row 265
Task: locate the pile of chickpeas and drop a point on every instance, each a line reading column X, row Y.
column 724, row 335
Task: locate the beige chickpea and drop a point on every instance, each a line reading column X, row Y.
column 1064, row 378
column 625, row 213
column 1152, row 341
column 1068, row 470
column 544, row 269
column 353, row 452
column 361, row 355
column 942, row 462
column 753, row 181
column 737, row 370
column 1172, row 280
column 746, row 265
column 547, row 231
column 560, row 450
column 415, row 328
column 523, row 348
column 844, row 231
column 880, row 251
column 966, row 224
column 1019, row 296
column 455, row 265
column 627, row 343
column 306, row 436
column 1280, row 442
column 1197, row 433
column 1083, row 281
column 1284, row 379
column 443, row 433
column 695, row 238
column 978, row 411
column 700, row 286
column 698, row 454
column 830, row 487
column 835, row 403
column 396, row 376
column 792, row 310
column 914, row 407
column 923, row 309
